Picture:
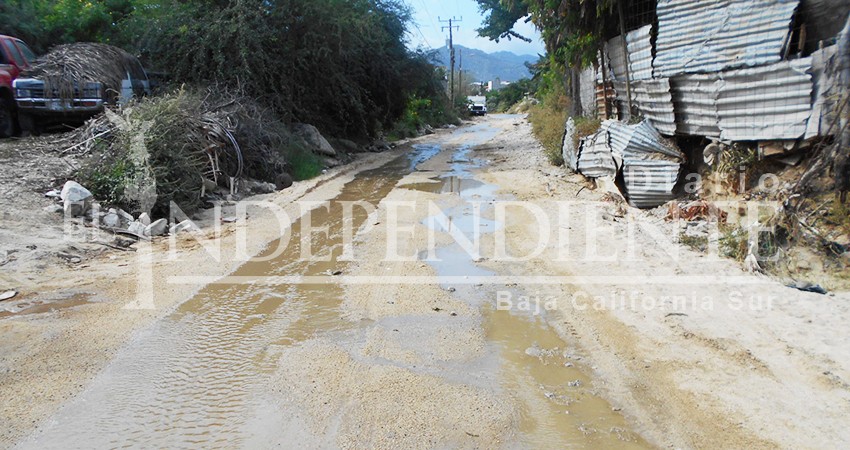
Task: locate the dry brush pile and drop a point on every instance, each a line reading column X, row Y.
column 69, row 67
column 167, row 148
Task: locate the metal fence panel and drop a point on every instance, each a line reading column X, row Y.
column 640, row 53
column 766, row 103
column 595, row 159
column 655, row 103
column 695, row 103
column 699, row 36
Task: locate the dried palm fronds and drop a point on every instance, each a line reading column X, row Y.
column 177, row 140
column 70, row 66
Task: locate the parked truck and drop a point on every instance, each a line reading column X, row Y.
column 73, row 82
column 15, row 56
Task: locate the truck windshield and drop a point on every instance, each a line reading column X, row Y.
column 28, row 54
column 14, row 53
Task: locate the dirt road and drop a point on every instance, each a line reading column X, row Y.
column 571, row 321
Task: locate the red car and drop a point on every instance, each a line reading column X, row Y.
column 15, row 56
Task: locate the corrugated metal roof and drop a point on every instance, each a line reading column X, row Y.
column 595, row 159
column 695, row 104
column 655, row 103
column 697, row 36
column 640, row 53
column 765, row 103
column 651, row 164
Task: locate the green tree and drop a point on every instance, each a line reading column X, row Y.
column 571, row 29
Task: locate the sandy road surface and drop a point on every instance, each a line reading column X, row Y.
column 376, row 351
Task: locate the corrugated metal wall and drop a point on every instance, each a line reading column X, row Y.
column 765, row 103
column 655, row 102
column 587, row 91
column 595, row 159
column 764, row 99
column 695, row 104
column 703, row 36
column 640, row 53
column 746, row 91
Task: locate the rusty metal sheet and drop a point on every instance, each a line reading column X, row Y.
column 704, row 36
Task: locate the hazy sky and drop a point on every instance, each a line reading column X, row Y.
column 428, row 12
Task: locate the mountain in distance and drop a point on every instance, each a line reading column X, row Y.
column 503, row 65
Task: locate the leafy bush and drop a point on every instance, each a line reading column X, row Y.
column 108, row 181
column 339, row 65
column 501, row 100
column 547, row 121
column 303, row 164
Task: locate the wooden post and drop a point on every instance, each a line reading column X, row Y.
column 625, row 55
column 606, row 114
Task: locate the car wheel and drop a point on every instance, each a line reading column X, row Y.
column 26, row 123
column 7, row 118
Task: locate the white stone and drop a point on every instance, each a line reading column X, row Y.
column 156, row 228
column 111, row 220
column 136, row 228
column 186, row 225
column 314, row 139
column 74, row 192
column 125, row 216
column 145, row 219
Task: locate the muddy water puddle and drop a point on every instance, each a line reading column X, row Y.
column 38, row 305
column 192, row 379
column 558, row 407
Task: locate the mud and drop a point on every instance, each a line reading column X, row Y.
column 201, row 376
column 368, row 352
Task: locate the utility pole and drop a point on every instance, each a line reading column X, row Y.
column 451, row 26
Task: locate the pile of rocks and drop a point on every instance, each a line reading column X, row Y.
column 75, row 201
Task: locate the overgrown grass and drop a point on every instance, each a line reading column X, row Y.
column 547, row 121
column 303, row 164
column 585, row 126
column 698, row 243
column 734, row 243
column 107, row 181
column 419, row 113
column 838, row 216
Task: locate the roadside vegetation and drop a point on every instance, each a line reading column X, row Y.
column 256, row 68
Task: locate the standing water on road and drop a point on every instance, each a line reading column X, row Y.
column 199, row 377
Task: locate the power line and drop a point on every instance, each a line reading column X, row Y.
column 451, row 27
column 416, row 25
